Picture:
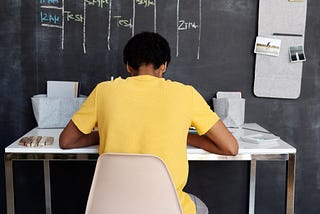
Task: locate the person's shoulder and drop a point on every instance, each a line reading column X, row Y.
column 110, row 83
column 176, row 83
column 179, row 85
column 102, row 85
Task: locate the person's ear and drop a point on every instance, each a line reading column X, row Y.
column 130, row 69
column 164, row 67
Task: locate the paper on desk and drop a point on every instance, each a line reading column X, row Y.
column 62, row 89
column 231, row 111
column 228, row 94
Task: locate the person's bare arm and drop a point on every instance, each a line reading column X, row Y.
column 217, row 140
column 72, row 137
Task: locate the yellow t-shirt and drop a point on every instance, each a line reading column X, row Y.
column 146, row 114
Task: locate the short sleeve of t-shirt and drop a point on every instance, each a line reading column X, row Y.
column 86, row 117
column 203, row 118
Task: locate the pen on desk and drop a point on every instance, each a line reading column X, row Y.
column 287, row 34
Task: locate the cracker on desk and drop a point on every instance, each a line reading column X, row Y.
column 36, row 141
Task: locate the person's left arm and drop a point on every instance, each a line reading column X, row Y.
column 72, row 137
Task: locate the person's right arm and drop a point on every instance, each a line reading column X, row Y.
column 217, row 139
column 72, row 137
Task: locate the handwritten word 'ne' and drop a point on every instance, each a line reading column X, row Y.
column 184, row 25
column 49, row 18
column 49, row 1
column 99, row 3
column 73, row 17
column 145, row 3
column 123, row 22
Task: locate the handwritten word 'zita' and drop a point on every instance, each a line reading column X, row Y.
column 184, row 25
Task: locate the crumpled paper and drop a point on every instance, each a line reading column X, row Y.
column 230, row 110
column 52, row 112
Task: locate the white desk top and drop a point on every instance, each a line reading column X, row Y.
column 245, row 148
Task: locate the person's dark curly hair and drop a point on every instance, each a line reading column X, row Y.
column 146, row 48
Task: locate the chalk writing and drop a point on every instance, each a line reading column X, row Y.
column 55, row 17
column 73, row 17
column 185, row 25
column 49, row 18
column 98, row 3
column 49, row 1
column 53, row 14
column 123, row 21
column 145, row 3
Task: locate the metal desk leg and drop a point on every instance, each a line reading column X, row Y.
column 9, row 184
column 291, row 170
column 47, row 188
column 253, row 167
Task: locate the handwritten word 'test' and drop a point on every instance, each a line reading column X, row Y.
column 73, row 17
column 146, row 3
column 123, row 22
column 99, row 3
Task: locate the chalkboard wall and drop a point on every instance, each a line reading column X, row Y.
column 212, row 49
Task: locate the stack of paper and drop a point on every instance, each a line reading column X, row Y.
column 62, row 89
column 230, row 107
column 262, row 139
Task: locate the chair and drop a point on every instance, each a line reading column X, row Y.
column 132, row 184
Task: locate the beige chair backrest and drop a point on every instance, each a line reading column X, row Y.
column 132, row 184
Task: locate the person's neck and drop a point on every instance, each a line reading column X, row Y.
column 148, row 70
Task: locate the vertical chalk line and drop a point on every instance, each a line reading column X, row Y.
column 155, row 16
column 177, row 42
column 84, row 27
column 200, row 25
column 62, row 29
column 133, row 16
column 109, row 25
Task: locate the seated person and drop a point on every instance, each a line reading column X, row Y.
column 146, row 113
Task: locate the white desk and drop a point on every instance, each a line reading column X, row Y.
column 247, row 152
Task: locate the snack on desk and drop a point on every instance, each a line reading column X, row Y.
column 36, row 141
